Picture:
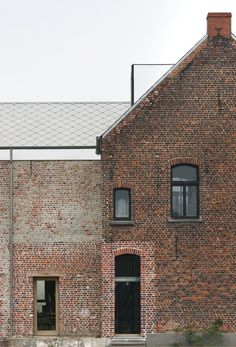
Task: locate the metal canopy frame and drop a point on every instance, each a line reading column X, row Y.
column 132, row 76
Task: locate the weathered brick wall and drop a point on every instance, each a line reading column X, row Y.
column 57, row 232
column 77, row 267
column 189, row 118
column 147, row 252
column 4, row 250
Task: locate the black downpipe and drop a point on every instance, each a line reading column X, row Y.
column 132, row 84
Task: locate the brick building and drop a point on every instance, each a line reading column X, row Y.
column 143, row 241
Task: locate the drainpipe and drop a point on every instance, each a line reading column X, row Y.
column 132, row 84
column 11, row 238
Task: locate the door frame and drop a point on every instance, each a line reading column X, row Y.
column 46, row 332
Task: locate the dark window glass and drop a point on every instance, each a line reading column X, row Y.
column 185, row 191
column 184, row 173
column 127, row 265
column 122, row 204
column 46, row 304
column 177, row 201
column 191, row 201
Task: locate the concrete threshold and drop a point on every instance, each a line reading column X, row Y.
column 128, row 340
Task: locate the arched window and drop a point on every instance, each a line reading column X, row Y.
column 184, row 191
column 122, row 208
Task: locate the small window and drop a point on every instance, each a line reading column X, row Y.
column 122, row 204
column 46, row 306
column 185, row 191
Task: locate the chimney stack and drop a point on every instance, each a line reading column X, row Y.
column 219, row 23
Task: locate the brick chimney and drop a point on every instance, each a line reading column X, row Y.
column 219, row 23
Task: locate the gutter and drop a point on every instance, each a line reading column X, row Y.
column 47, row 147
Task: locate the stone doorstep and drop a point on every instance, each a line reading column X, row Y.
column 128, row 341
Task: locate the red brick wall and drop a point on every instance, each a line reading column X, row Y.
column 147, row 252
column 57, row 233
column 187, row 269
column 77, row 268
column 4, row 250
column 188, row 118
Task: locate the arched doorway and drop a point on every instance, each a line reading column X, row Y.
column 127, row 294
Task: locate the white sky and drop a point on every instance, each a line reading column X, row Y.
column 81, row 50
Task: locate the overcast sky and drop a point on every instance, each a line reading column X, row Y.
column 75, row 50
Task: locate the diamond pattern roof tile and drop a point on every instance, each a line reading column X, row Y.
column 56, row 124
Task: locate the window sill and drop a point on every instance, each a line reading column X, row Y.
column 122, row 222
column 189, row 220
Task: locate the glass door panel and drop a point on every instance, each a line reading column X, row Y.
column 45, row 306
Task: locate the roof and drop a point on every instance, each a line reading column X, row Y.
column 56, row 124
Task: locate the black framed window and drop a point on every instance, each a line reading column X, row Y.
column 122, row 207
column 184, row 191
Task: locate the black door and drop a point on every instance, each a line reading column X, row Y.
column 127, row 294
column 127, row 307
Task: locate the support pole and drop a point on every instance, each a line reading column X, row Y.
column 11, row 239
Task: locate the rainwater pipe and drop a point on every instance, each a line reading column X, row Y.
column 11, row 239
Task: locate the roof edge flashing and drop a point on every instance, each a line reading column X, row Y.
column 46, row 147
column 64, row 102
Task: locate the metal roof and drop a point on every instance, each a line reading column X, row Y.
column 53, row 124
